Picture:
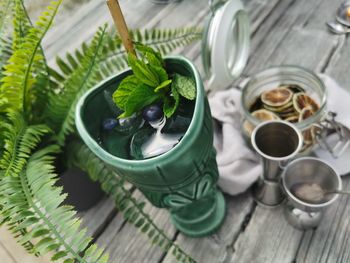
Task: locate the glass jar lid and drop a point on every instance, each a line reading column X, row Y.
column 225, row 44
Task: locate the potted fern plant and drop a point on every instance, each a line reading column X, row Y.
column 37, row 107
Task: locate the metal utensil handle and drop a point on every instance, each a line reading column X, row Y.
column 338, row 192
column 330, row 126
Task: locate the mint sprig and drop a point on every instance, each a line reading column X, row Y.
column 150, row 83
column 184, row 86
column 172, row 102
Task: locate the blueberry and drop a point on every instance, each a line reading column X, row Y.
column 109, row 124
column 152, row 112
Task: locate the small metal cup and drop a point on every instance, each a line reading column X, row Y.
column 300, row 213
column 276, row 142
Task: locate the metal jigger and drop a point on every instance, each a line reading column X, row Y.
column 306, row 213
column 276, row 142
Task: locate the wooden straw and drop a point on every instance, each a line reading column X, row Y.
column 120, row 24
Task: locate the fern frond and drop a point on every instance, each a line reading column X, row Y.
column 19, row 75
column 19, row 142
column 62, row 106
column 41, row 87
column 132, row 209
column 167, row 40
column 31, row 204
column 21, row 24
column 114, row 58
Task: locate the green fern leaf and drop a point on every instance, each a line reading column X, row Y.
column 31, row 191
column 21, row 25
column 64, row 67
column 114, row 58
column 62, row 106
column 19, row 141
column 18, row 83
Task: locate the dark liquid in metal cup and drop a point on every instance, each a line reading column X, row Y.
column 277, row 140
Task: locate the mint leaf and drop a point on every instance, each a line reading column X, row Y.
column 163, row 85
column 185, row 86
column 171, row 102
column 142, row 71
column 140, row 97
column 153, row 60
column 160, row 72
column 153, row 57
column 120, row 96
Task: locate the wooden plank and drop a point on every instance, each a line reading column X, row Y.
column 70, row 34
column 12, row 252
column 311, row 38
column 259, row 11
column 293, row 50
column 270, row 35
column 4, row 254
column 97, row 217
column 267, row 238
column 334, row 65
column 125, row 243
column 216, row 248
column 183, row 14
column 67, row 9
column 339, row 66
column 321, row 13
column 331, row 240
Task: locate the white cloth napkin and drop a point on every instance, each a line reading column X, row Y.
column 238, row 166
column 338, row 101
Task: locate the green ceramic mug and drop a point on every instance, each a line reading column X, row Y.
column 183, row 180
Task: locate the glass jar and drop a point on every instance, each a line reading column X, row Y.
column 285, row 75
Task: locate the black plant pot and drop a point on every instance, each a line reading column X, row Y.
column 82, row 192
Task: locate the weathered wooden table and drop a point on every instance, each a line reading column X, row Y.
column 282, row 32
